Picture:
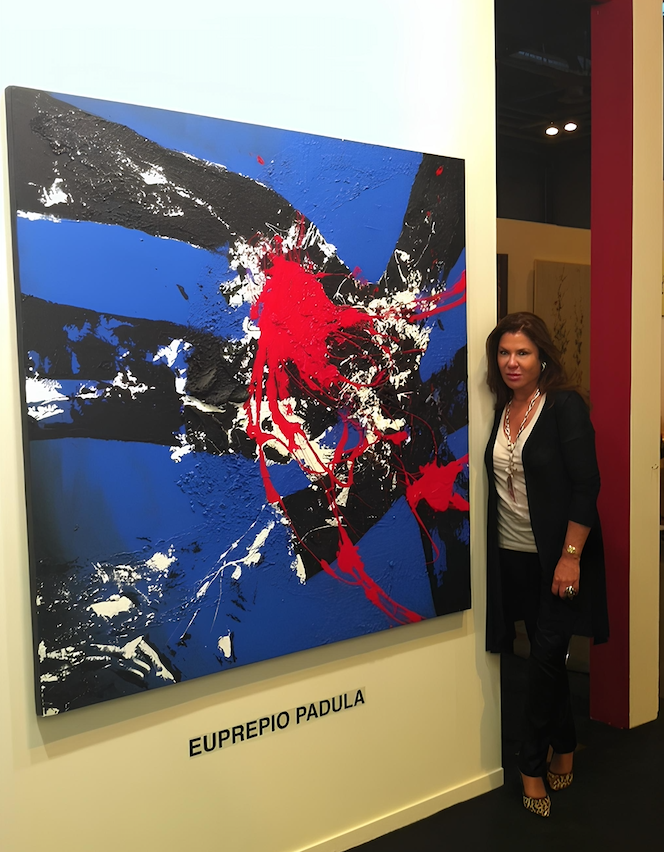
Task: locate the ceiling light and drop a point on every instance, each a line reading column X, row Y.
column 570, row 126
column 552, row 130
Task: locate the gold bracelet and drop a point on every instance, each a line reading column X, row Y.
column 572, row 551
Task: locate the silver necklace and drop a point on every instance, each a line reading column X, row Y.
column 510, row 469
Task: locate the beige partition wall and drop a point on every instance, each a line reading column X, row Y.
column 412, row 75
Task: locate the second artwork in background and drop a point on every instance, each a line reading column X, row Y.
column 245, row 374
column 562, row 299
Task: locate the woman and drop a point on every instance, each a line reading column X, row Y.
column 545, row 558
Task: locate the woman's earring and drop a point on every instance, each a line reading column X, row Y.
column 543, row 365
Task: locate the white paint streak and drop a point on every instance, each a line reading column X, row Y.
column 42, row 390
column 35, row 217
column 313, row 456
column 342, row 497
column 183, row 449
column 69, row 653
column 154, row 176
column 90, row 391
column 127, row 381
column 225, row 645
column 201, row 406
column 203, row 589
column 297, row 565
column 115, row 605
column 250, row 330
column 142, row 655
column 55, row 195
column 160, row 203
column 161, row 561
column 41, row 396
column 253, row 557
column 41, row 412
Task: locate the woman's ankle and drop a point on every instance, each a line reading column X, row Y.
column 533, row 786
column 561, row 764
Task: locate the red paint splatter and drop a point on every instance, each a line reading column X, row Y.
column 439, row 171
column 300, row 328
column 261, row 161
column 352, row 571
column 435, row 485
column 305, row 350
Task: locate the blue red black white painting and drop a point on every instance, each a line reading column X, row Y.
column 244, row 361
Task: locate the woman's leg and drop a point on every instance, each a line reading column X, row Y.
column 521, row 586
column 548, row 719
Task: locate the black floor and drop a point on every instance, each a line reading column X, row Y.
column 615, row 803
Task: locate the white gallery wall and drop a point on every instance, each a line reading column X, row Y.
column 404, row 73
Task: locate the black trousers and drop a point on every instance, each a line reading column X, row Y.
column 547, row 717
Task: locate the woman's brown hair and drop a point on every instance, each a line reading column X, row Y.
column 553, row 376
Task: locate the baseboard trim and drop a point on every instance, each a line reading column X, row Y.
column 410, row 814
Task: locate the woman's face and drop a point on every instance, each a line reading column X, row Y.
column 519, row 363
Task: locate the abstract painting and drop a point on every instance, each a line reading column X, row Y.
column 243, row 356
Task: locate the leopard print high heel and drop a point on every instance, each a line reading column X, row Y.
column 559, row 782
column 541, row 807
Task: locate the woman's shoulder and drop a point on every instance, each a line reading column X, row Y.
column 570, row 400
column 571, row 412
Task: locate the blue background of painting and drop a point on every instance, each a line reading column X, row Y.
column 97, row 500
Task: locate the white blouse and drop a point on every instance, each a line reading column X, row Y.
column 514, row 529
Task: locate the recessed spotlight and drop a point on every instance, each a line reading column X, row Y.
column 552, row 130
column 571, row 126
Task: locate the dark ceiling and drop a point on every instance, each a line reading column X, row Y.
column 542, row 77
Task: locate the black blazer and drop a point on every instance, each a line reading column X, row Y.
column 563, row 482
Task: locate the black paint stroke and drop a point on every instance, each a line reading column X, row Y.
column 99, row 165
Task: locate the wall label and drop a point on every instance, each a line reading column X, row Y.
column 276, row 722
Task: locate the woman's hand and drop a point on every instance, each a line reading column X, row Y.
column 567, row 574
column 568, row 569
